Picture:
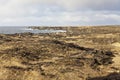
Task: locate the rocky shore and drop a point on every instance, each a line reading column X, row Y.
column 80, row 53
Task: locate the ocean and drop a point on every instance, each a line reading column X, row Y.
column 13, row 30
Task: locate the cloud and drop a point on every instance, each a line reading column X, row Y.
column 66, row 18
column 62, row 12
column 76, row 4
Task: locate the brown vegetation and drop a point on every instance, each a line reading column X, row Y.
column 82, row 53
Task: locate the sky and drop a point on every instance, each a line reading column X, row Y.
column 59, row 12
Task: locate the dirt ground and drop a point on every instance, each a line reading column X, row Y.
column 80, row 53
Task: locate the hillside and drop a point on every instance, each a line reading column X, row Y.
column 80, row 53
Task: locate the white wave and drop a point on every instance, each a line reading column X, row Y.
column 28, row 29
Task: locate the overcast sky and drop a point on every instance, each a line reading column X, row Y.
column 59, row 12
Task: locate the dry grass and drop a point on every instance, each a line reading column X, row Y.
column 80, row 54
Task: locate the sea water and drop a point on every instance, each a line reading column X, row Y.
column 16, row 29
